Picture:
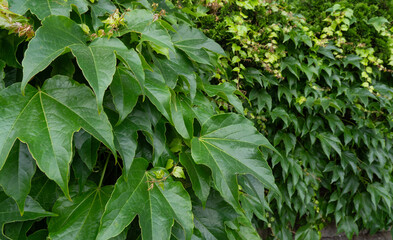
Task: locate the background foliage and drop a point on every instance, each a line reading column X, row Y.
column 123, row 120
column 316, row 76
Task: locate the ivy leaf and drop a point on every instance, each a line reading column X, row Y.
column 87, row 148
column 227, row 92
column 44, row 8
column 158, row 93
column 125, row 90
column 79, row 219
column 329, row 141
column 16, row 174
column 306, row 233
column 156, row 206
column 377, row 22
column 141, row 21
column 241, row 228
column 199, row 176
column 17, row 230
column 193, row 42
column 228, row 145
column 9, row 211
column 349, row 226
column 46, row 120
column 60, row 34
column 210, row 218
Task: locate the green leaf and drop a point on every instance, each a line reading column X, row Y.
column 193, row 42
column 60, row 34
column 377, row 22
column 182, row 117
column 199, row 176
column 44, row 8
column 158, row 93
column 329, row 141
column 9, row 211
column 125, row 90
column 79, row 219
column 227, row 92
column 349, row 226
column 126, row 141
column 306, row 233
column 87, row 147
column 46, row 119
column 210, row 219
column 178, row 172
column 44, row 191
column 142, row 21
column 241, row 228
column 229, row 145
column 17, row 230
column 16, row 174
column 156, row 206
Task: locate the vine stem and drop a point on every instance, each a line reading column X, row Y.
column 103, row 171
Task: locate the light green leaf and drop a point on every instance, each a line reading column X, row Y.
column 9, row 211
column 60, row 34
column 16, row 174
column 156, row 206
column 229, row 145
column 377, row 22
column 46, row 119
column 178, row 172
column 79, row 219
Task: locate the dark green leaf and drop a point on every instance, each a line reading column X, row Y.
column 46, row 120
column 16, row 174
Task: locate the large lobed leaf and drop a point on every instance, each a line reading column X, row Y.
column 46, row 119
column 157, row 206
column 228, row 145
column 97, row 60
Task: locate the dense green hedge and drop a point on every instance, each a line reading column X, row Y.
column 317, row 81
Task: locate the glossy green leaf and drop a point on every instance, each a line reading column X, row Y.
column 16, row 174
column 229, row 145
column 46, row 119
column 241, row 228
column 44, row 191
column 79, row 219
column 199, row 176
column 182, row 117
column 9, row 211
column 227, row 92
column 96, row 60
column 157, row 206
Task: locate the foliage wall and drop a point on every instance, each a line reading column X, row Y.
column 317, row 81
column 111, row 127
